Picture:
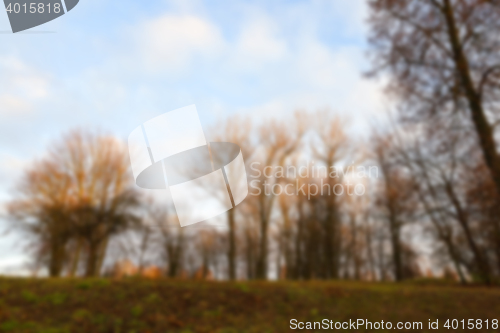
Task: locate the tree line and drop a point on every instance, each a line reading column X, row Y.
column 432, row 206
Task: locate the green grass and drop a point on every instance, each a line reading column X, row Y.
column 135, row 305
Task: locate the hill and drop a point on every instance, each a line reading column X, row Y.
column 139, row 305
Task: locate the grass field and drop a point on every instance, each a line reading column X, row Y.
column 133, row 305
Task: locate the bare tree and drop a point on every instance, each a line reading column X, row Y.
column 235, row 130
column 334, row 150
column 81, row 190
column 278, row 142
column 443, row 56
column 396, row 199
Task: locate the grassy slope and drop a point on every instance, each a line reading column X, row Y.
column 133, row 305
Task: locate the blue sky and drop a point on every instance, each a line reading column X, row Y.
column 113, row 64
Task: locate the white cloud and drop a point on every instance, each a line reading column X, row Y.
column 13, row 104
column 317, row 65
column 10, row 168
column 325, row 78
column 259, row 42
column 276, row 62
column 21, row 87
column 171, row 42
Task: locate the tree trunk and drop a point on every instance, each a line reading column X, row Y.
column 286, row 239
column 231, row 255
column 394, row 229
column 76, row 258
column 462, row 217
column 482, row 126
column 299, row 240
column 101, row 255
column 250, row 255
column 369, row 251
column 261, row 269
column 331, row 267
column 92, row 257
column 175, row 252
column 354, row 248
column 57, row 252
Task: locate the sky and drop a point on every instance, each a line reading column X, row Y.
column 114, row 64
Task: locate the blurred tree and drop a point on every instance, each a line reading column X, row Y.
column 43, row 204
column 277, row 142
column 239, row 131
column 80, row 191
column 443, row 56
column 173, row 245
column 396, row 199
column 332, row 150
column 445, row 168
